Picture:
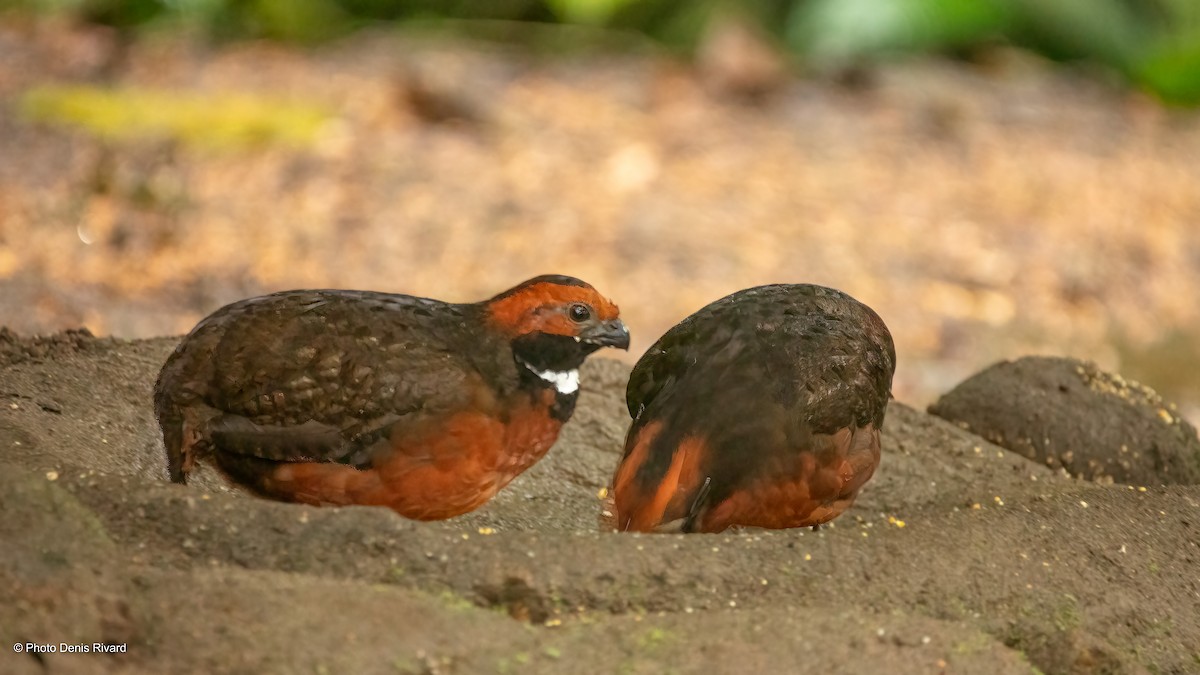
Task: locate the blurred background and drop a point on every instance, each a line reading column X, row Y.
column 995, row 177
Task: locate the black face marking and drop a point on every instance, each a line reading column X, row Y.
column 545, row 352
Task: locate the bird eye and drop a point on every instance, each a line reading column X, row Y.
column 579, row 313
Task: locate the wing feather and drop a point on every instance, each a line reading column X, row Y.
column 327, row 375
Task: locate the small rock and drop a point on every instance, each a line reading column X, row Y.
column 1071, row 414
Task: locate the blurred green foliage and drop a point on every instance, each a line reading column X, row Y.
column 1154, row 44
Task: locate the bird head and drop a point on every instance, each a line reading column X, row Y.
column 555, row 322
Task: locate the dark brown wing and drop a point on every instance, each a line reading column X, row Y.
column 323, row 375
column 687, row 346
column 813, row 341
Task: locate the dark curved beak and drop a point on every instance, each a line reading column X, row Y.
column 606, row 334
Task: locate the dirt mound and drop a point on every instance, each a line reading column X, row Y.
column 15, row 349
column 1068, row 413
column 960, row 557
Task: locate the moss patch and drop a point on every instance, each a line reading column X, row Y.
column 219, row 120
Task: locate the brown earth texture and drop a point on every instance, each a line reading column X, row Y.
column 960, row 557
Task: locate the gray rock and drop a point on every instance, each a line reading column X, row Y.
column 1070, row 414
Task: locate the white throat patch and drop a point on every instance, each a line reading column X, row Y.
column 565, row 382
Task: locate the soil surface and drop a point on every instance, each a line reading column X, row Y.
column 960, row 557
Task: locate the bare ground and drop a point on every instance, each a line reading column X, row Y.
column 961, row 557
